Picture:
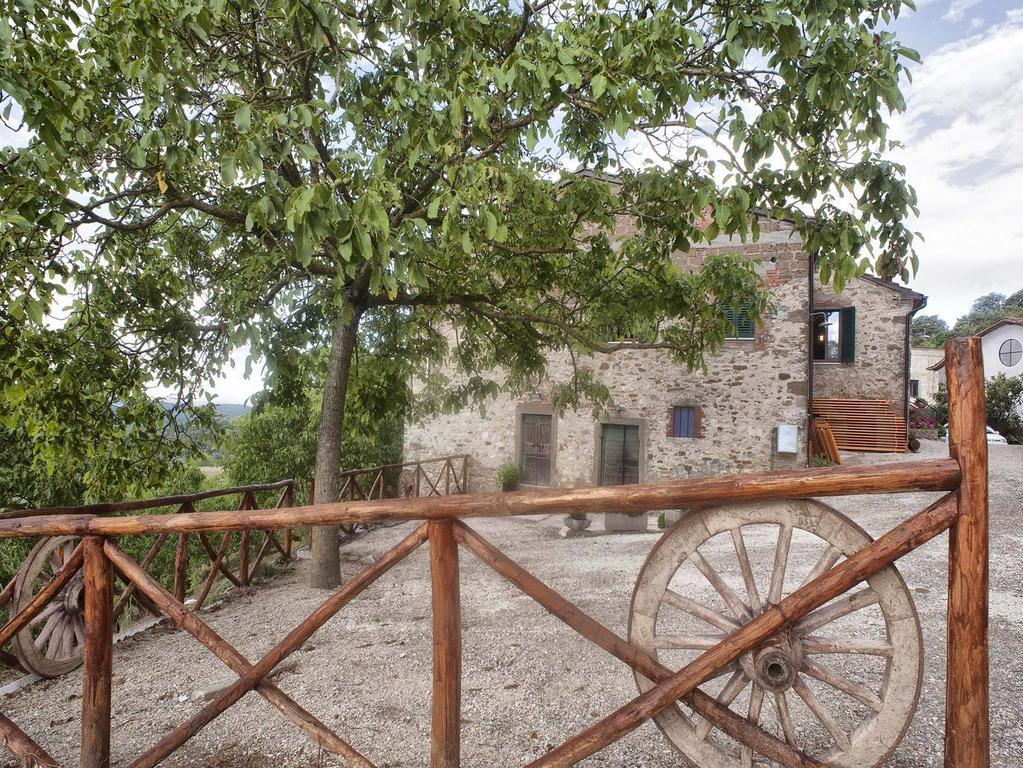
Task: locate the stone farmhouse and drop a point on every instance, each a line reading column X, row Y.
column 750, row 411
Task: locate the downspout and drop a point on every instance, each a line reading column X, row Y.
column 811, row 272
column 920, row 304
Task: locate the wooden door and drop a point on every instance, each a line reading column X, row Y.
column 619, row 454
column 535, row 456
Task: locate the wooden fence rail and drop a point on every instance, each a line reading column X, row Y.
column 962, row 511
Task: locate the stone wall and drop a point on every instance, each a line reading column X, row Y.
column 750, row 387
column 878, row 371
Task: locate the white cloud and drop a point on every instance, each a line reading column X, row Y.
column 957, row 9
column 965, row 159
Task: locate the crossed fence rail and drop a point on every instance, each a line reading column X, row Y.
column 962, row 511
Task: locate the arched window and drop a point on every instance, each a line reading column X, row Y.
column 1010, row 352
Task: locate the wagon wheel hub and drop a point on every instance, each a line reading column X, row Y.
column 73, row 596
column 774, row 665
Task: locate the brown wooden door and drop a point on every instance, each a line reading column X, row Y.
column 535, row 456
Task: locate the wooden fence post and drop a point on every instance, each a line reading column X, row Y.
column 289, row 501
column 966, row 705
column 97, row 655
column 447, row 646
column 181, row 568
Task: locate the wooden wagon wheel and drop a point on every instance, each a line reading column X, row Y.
column 51, row 645
column 842, row 685
column 407, row 484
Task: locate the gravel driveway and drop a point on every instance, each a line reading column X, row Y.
column 528, row 681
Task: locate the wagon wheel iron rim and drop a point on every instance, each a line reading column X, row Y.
column 51, row 645
column 736, row 560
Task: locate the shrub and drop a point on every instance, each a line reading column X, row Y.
column 1004, row 395
column 508, row 476
column 1004, row 406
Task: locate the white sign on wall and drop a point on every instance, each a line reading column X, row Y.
column 788, row 438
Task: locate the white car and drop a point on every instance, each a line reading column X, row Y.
column 992, row 437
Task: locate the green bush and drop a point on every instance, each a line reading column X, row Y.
column 508, row 476
column 1004, row 404
column 1004, row 395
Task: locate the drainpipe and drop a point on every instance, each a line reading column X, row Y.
column 920, row 304
column 811, row 272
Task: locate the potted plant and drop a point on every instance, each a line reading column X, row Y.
column 508, row 477
column 577, row 521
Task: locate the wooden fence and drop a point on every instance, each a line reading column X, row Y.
column 441, row 476
column 54, row 567
column 962, row 511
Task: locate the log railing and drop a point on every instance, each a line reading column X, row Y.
column 962, row 511
column 441, row 476
column 235, row 561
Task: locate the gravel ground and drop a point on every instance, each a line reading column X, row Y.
column 528, row 681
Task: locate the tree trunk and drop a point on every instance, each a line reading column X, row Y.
column 326, row 565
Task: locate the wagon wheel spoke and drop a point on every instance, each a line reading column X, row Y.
column 48, row 627
column 79, row 631
column 822, row 714
column 67, row 638
column 45, row 613
column 824, row 564
column 816, row 644
column 735, row 685
column 739, row 609
column 781, row 707
column 781, row 560
column 56, row 639
column 756, row 702
column 747, row 571
column 841, row 683
column 687, row 642
column 829, row 613
column 700, row 611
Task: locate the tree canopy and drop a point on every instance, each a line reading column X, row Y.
column 212, row 175
column 929, row 331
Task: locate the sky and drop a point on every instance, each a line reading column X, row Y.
column 964, row 148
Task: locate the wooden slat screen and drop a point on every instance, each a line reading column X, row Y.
column 863, row 425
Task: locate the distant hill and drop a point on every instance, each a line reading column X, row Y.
column 226, row 411
column 231, row 410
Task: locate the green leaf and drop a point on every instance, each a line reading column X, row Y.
column 598, row 85
column 243, row 118
column 227, row 169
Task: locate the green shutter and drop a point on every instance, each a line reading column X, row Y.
column 742, row 321
column 847, row 329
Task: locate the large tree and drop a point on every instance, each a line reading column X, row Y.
column 219, row 174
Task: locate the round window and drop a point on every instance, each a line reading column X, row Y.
column 1010, row 352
